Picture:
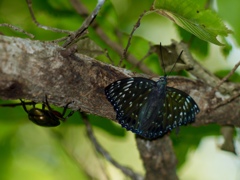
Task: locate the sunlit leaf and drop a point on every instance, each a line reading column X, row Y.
column 205, row 24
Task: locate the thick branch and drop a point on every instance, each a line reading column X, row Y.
column 31, row 69
column 158, row 158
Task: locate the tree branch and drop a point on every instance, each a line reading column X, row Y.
column 30, row 69
column 158, row 158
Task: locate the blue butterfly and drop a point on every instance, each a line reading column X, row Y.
column 149, row 108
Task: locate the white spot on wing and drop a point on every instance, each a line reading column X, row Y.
column 127, row 86
column 130, row 82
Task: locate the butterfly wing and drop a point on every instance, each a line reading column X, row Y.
column 178, row 109
column 132, row 95
column 127, row 96
column 183, row 107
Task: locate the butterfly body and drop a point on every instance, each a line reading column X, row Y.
column 148, row 108
column 154, row 102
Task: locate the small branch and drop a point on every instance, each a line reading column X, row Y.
column 200, row 72
column 224, row 102
column 119, row 50
column 197, row 70
column 143, row 58
column 227, row 76
column 29, row 3
column 108, row 56
column 79, row 7
column 87, row 22
column 124, row 56
column 16, row 104
column 127, row 171
column 115, row 46
column 69, row 151
column 17, row 29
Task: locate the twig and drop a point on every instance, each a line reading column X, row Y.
column 124, row 56
column 59, row 40
column 119, row 50
column 29, row 3
column 106, row 155
column 226, row 77
column 80, row 8
column 16, row 104
column 226, row 101
column 17, row 29
column 108, row 56
column 143, row 58
column 75, row 37
column 197, row 69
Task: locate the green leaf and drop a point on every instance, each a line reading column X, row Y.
column 205, row 24
column 229, row 10
column 198, row 46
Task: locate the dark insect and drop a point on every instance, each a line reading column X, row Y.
column 148, row 108
column 44, row 117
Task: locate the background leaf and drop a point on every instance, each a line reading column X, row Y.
column 205, row 24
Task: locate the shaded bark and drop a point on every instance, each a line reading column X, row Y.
column 158, row 158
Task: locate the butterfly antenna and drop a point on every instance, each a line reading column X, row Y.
column 163, row 67
column 179, row 56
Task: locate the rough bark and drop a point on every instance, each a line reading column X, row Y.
column 32, row 69
column 158, row 158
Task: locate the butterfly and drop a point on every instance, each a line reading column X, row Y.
column 149, row 108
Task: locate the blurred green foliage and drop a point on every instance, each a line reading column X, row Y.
column 224, row 72
column 65, row 152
